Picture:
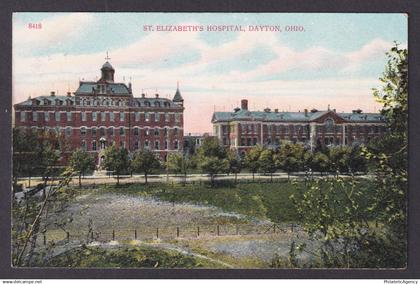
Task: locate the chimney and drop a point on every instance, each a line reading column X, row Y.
column 157, row 95
column 276, row 110
column 129, row 88
column 52, row 94
column 68, row 94
column 267, row 109
column 244, row 104
column 306, row 112
column 143, row 95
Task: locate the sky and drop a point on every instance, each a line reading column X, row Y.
column 327, row 59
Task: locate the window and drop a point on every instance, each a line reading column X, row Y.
column 156, row 132
column 122, row 116
column 146, row 132
column 176, row 145
column 122, row 131
column 146, row 144
column 69, row 117
column 147, row 104
column 255, row 141
column 94, row 131
column 156, row 145
column 165, row 132
column 22, row 116
column 111, row 131
column 102, row 131
column 34, row 116
column 136, row 131
column 103, row 116
column 157, row 117
column 136, row 145
column 68, row 131
column 157, row 104
column 175, row 131
column 46, row 116
column 111, row 116
column 329, row 124
column 122, row 144
column 93, row 145
column 166, row 144
column 83, row 131
column 146, row 116
column 84, row 145
column 242, row 141
column 177, row 117
column 137, row 116
column 94, row 116
column 83, row 116
column 167, row 117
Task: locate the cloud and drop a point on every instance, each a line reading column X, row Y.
column 144, row 61
column 55, row 30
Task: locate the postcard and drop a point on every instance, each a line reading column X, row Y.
column 209, row 140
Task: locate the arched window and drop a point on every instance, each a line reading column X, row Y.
column 122, row 131
column 111, row 131
column 176, row 144
column 102, row 131
column 136, row 131
column 156, row 145
column 83, row 131
column 136, row 145
column 329, row 125
column 157, row 104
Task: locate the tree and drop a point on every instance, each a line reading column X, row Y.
column 338, row 214
column 339, row 158
column 116, row 160
column 145, row 162
column 235, row 163
column 252, row 160
column 320, row 162
column 212, row 158
column 82, row 162
column 290, row 158
column 267, row 162
column 179, row 164
column 390, row 157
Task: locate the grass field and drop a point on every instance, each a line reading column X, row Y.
column 261, row 200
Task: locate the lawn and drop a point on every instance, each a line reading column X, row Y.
column 260, row 200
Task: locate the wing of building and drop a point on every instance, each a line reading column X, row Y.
column 242, row 128
column 103, row 113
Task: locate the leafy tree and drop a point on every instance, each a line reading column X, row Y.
column 340, row 158
column 145, row 162
column 252, row 158
column 116, row 160
column 320, row 162
column 390, row 156
column 82, row 162
column 235, row 163
column 357, row 162
column 290, row 158
column 267, row 162
column 179, row 164
column 212, row 158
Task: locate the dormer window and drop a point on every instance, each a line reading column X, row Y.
column 157, row 104
column 147, row 103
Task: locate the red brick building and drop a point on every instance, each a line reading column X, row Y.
column 102, row 113
column 242, row 129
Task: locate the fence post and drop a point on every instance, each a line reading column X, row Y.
column 218, row 231
column 177, row 232
column 274, row 228
column 68, row 236
column 45, row 240
column 113, row 235
column 91, row 236
column 135, row 234
column 198, row 231
column 157, row 233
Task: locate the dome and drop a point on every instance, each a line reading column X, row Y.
column 107, row 65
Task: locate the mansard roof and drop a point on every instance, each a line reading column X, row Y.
column 245, row 115
column 163, row 102
column 115, row 88
column 43, row 99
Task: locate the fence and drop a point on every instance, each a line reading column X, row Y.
column 169, row 233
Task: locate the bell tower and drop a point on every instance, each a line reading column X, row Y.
column 107, row 71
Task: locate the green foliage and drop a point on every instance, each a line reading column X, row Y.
column 290, row 157
column 252, row 158
column 81, row 162
column 320, row 162
column 212, row 158
column 177, row 163
column 126, row 257
column 145, row 162
column 116, row 160
column 235, row 163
